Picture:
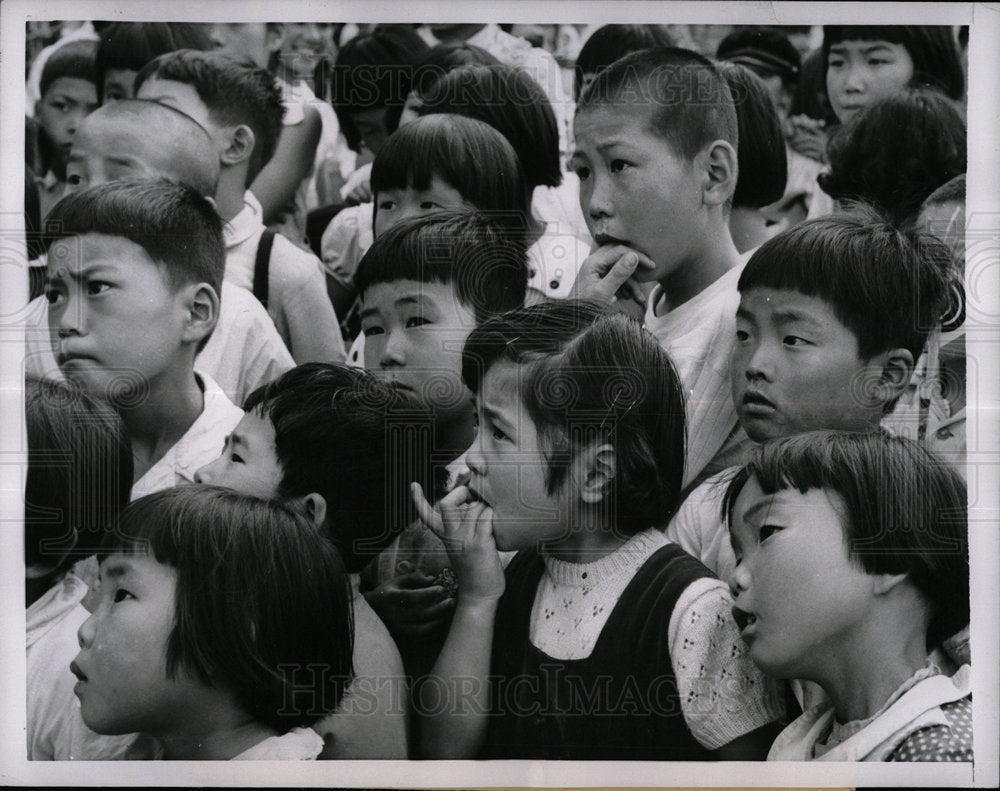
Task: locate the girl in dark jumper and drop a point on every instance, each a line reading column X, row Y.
column 602, row 640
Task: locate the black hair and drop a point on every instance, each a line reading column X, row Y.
column 467, row 154
column 443, row 58
column 262, row 605
column 887, row 285
column 609, row 43
column 928, row 148
column 594, row 375
column 952, row 191
column 129, row 46
column 932, row 48
column 761, row 157
column 177, row 227
column 74, row 59
column 907, row 510
column 766, row 51
column 233, row 92
column 351, row 437
column 509, row 100
column 689, row 101
column 79, row 472
column 489, row 271
column 374, row 70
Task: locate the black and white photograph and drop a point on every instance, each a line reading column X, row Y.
column 529, row 394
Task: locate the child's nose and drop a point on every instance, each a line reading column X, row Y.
column 596, row 199
column 85, row 634
column 206, row 474
column 739, row 579
column 394, row 350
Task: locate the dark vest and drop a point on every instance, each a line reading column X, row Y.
column 619, row 703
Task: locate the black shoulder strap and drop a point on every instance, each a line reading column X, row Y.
column 262, row 265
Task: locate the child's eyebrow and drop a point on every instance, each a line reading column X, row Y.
column 115, row 570
column 495, row 416
column 87, row 270
column 746, row 315
column 794, row 317
column 754, row 509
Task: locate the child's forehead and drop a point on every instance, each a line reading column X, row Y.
column 92, row 249
column 72, row 86
column 404, row 294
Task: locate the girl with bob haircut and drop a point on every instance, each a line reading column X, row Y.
column 579, row 458
column 761, row 159
column 851, row 566
column 865, row 63
column 222, row 629
column 928, row 149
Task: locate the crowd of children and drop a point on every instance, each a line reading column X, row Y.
column 627, row 426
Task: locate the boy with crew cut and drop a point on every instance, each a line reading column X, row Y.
column 133, row 276
column 135, row 138
column 656, row 137
column 833, row 313
column 240, row 107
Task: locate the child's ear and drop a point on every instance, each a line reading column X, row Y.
column 720, row 170
column 240, row 145
column 883, row 583
column 315, row 505
column 897, row 370
column 597, row 466
column 202, row 306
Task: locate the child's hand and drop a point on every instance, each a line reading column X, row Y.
column 607, row 273
column 411, row 604
column 466, row 528
column 807, row 136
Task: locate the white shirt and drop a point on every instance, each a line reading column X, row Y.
column 699, row 336
column 297, row 297
column 201, row 443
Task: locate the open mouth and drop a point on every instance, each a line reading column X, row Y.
column 743, row 618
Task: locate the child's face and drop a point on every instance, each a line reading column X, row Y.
column 861, row 73
column 107, row 149
column 122, row 667
column 253, row 41
column 63, row 107
column 509, row 467
column 117, row 325
column 796, row 368
column 798, row 596
column 395, row 205
column 371, row 128
column 118, row 84
column 302, row 47
column 249, row 461
column 633, row 189
column 414, row 333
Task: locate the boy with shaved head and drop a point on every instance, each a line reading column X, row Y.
column 138, row 139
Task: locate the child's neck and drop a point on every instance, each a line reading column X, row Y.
column 230, row 191
column 748, row 228
column 174, row 401
column 589, row 539
column 220, row 744
column 689, row 279
column 873, row 668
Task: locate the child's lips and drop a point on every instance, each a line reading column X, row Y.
column 74, row 668
column 606, row 238
column 755, row 404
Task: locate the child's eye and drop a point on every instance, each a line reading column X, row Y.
column 498, row 435
column 877, row 61
column 74, row 179
column 582, row 173
column 386, row 205
column 742, row 335
column 95, row 287
column 416, row 321
column 121, row 595
column 766, row 531
column 374, row 329
column 618, row 165
column 835, row 63
column 236, row 459
column 427, row 205
column 59, row 105
column 53, row 296
column 795, row 340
